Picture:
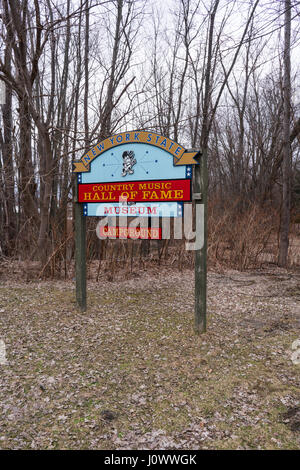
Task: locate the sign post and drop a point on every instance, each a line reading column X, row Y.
column 200, row 186
column 80, row 253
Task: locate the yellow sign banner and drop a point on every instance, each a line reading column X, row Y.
column 179, row 154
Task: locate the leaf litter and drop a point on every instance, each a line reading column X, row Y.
column 131, row 374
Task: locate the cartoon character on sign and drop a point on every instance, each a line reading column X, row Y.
column 128, row 162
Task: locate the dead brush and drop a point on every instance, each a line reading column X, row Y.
column 238, row 237
column 294, row 247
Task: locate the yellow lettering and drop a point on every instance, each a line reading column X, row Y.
column 178, row 194
column 166, row 194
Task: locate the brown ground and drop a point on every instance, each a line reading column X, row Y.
column 130, row 373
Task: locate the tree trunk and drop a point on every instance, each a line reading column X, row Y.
column 8, row 171
column 27, row 180
column 286, row 150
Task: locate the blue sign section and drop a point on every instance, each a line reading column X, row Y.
column 139, row 209
column 134, row 162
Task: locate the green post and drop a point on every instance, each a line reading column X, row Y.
column 80, row 254
column 200, row 188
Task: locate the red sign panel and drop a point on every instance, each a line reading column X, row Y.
column 130, row 232
column 136, row 191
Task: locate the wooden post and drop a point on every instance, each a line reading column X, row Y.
column 200, row 186
column 80, row 254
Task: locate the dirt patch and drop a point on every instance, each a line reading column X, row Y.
column 292, row 418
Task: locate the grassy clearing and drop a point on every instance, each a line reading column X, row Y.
column 134, row 354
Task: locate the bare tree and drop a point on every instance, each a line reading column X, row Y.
column 286, row 152
column 6, row 144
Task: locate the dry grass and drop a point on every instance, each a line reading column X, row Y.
column 134, row 354
column 239, row 238
column 248, row 238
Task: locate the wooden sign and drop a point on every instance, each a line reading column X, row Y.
column 137, row 173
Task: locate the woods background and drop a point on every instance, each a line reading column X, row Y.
column 217, row 74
